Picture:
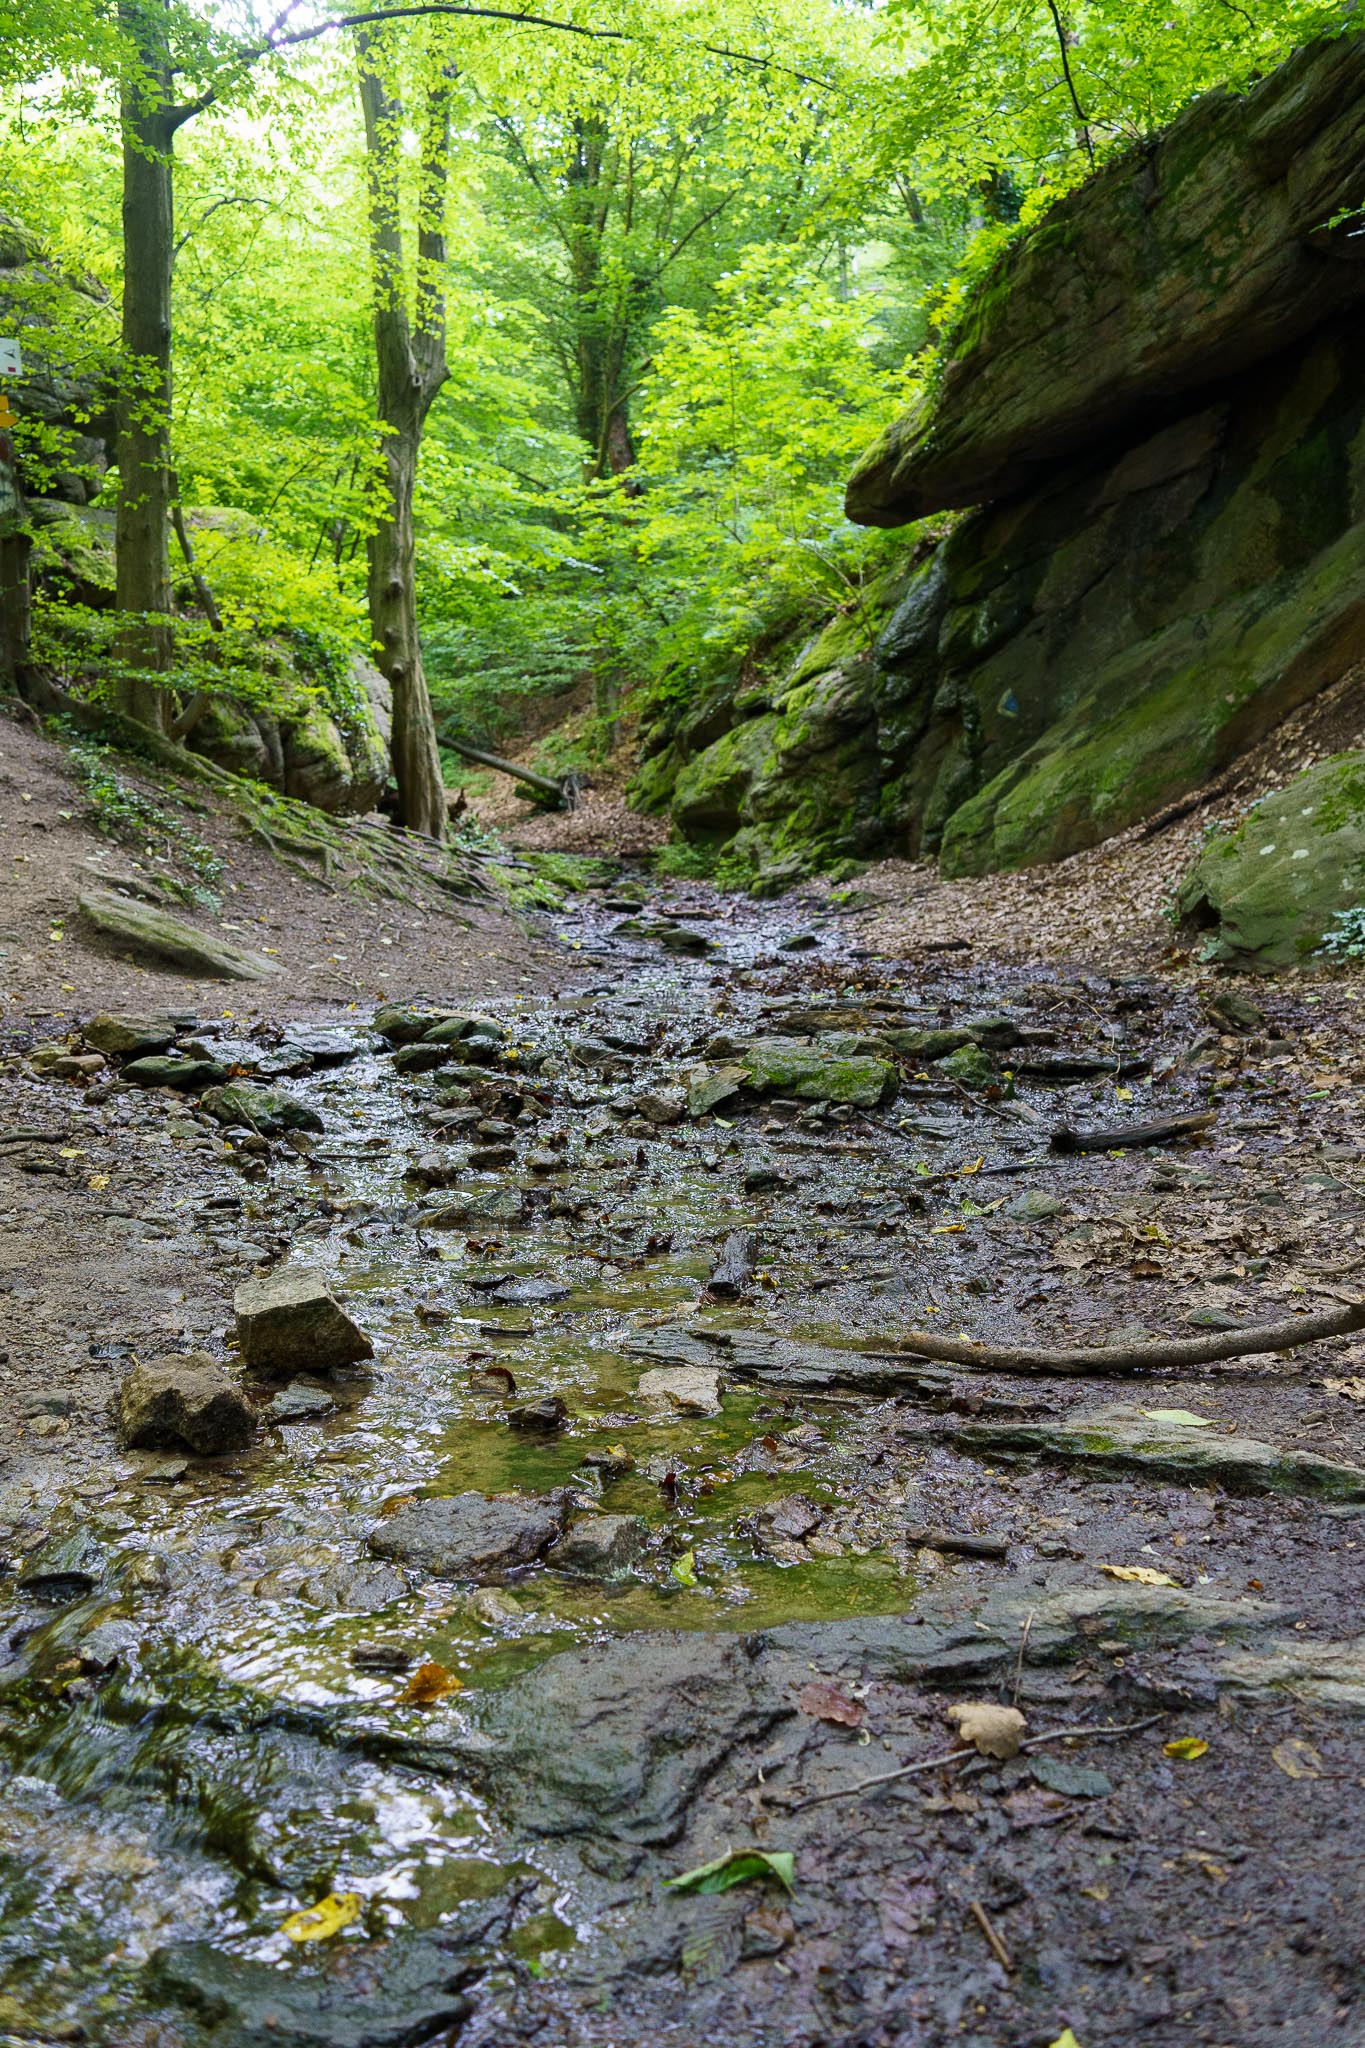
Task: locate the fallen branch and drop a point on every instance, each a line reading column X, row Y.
column 546, row 784
column 968, row 1755
column 1067, row 1138
column 1136, row 1358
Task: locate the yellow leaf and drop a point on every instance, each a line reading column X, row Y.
column 1139, row 1575
column 1182, row 1418
column 1186, row 1749
column 975, row 1166
column 328, row 1917
column 1297, row 1759
column 98, row 1182
column 1124, row 1094
column 429, row 1683
column 1066, row 2039
column 946, row 1229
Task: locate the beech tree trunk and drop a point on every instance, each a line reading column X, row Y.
column 410, row 360
column 143, row 569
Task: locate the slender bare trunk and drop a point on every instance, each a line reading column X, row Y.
column 410, row 361
column 143, row 570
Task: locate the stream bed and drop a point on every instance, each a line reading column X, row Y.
column 212, row 1712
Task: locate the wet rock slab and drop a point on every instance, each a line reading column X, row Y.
column 1120, row 1437
column 601, row 1546
column 469, row 1535
column 619, row 1739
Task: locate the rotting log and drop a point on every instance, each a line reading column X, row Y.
column 1110, row 1138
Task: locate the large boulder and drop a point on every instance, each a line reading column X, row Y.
column 1225, row 239
column 1269, row 891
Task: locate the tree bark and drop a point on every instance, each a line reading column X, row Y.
column 143, row 570
column 410, row 360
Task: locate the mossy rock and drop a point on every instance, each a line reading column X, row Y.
column 709, row 792
column 1270, row 890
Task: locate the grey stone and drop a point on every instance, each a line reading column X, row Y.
column 1035, row 1205
column 192, row 1077
column 601, row 1546
column 122, row 1036
column 64, row 1569
column 142, row 929
column 682, row 1389
column 469, row 1535
column 242, row 1105
column 289, row 1322
column 300, row 1401
column 183, row 1403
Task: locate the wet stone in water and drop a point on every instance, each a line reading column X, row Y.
column 601, row 1546
column 183, row 1403
column 468, row 1536
column 290, row 1323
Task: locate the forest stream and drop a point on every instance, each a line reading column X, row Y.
column 648, row 1288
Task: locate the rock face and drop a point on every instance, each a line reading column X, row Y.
column 1169, row 558
column 290, row 1322
column 1183, row 262
column 469, row 1536
column 143, row 930
column 1270, row 891
column 188, row 1404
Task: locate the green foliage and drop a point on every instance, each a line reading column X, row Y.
column 1346, row 939
column 127, row 814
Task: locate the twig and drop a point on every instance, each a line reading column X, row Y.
column 1019, row 1660
column 997, row 1946
column 969, row 1756
column 22, row 1137
column 1108, row 1361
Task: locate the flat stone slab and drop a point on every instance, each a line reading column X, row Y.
column 183, row 1403
column 124, row 1036
column 1122, row 1437
column 685, row 1389
column 618, row 1740
column 242, row 1105
column 141, row 928
column 469, row 1535
column 290, row 1322
column 771, row 1359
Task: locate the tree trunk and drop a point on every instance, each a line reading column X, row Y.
column 143, row 569
column 410, row 361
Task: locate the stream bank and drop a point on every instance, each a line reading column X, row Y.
column 752, row 1552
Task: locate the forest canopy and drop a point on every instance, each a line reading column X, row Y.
column 521, row 349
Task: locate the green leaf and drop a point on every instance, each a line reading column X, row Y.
column 740, row 1866
column 685, row 1570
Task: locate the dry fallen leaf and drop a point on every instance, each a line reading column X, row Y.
column 827, row 1703
column 1139, row 1575
column 1351, row 1390
column 429, row 1683
column 1186, row 1749
column 991, row 1730
column 1297, row 1759
column 327, row 1917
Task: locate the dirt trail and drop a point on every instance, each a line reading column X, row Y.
column 742, row 1556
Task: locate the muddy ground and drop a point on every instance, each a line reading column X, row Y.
column 203, row 1660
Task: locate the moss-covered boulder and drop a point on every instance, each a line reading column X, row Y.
column 709, row 793
column 1269, row 891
